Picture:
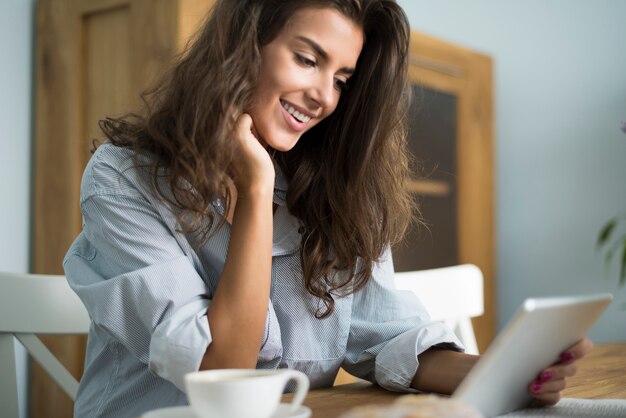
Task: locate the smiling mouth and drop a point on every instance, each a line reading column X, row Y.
column 300, row 117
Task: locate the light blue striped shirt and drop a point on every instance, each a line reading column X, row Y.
column 147, row 291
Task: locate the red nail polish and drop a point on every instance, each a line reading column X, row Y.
column 536, row 387
column 545, row 376
column 567, row 356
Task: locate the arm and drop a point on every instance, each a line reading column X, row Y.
column 136, row 281
column 442, row 371
column 389, row 331
column 238, row 309
column 138, row 278
column 410, row 358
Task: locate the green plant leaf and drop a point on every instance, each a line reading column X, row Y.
column 608, row 257
column 622, row 276
column 605, row 232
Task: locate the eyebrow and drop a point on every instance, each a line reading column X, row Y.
column 323, row 54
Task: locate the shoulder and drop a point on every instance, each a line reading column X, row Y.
column 113, row 170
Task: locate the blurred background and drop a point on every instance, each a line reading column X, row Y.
column 559, row 74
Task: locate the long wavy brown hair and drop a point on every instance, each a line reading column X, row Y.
column 347, row 175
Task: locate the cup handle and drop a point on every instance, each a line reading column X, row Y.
column 302, row 387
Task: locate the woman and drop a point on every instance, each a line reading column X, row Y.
column 243, row 219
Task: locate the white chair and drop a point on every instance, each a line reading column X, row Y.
column 36, row 304
column 452, row 295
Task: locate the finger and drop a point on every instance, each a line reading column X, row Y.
column 547, row 393
column 538, row 388
column 547, row 399
column 244, row 123
column 578, row 350
column 246, row 129
column 558, row 371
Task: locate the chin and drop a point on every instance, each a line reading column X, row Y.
column 283, row 145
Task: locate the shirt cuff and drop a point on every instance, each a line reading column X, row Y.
column 178, row 344
column 397, row 363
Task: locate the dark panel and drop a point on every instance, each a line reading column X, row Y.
column 432, row 142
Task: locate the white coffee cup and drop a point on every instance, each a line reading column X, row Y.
column 242, row 393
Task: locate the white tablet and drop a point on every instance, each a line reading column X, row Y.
column 534, row 339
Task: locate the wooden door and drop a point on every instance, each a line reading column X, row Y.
column 93, row 59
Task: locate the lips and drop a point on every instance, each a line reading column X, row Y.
column 298, row 113
column 296, row 118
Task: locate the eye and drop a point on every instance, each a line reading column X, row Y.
column 341, row 85
column 307, row 62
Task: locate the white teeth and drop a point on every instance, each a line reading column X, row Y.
column 299, row 116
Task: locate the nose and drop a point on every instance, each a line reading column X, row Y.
column 323, row 91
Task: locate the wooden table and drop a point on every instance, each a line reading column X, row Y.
column 601, row 375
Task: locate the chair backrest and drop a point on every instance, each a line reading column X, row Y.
column 451, row 295
column 36, row 304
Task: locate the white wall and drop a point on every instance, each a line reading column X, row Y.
column 16, row 50
column 560, row 94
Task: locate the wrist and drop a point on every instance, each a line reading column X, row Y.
column 259, row 192
column 441, row 371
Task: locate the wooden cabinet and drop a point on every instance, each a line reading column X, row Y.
column 451, row 138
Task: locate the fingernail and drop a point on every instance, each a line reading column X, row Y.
column 567, row 356
column 536, row 387
column 545, row 376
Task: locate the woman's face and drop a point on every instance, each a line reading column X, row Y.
column 303, row 72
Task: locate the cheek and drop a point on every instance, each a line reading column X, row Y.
column 329, row 111
column 265, row 87
column 262, row 92
column 273, row 73
column 262, row 102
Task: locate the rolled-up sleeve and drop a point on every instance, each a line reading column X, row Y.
column 139, row 286
column 389, row 329
column 176, row 345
